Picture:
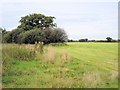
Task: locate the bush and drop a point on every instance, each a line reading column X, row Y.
column 30, row 37
column 58, row 44
column 49, row 35
column 7, row 38
column 54, row 35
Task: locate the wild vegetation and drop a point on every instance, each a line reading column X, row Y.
column 35, row 28
column 36, row 55
column 76, row 65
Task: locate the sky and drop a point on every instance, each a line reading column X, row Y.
column 80, row 19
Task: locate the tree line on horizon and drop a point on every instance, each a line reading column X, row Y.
column 108, row 39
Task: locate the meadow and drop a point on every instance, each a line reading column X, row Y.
column 73, row 65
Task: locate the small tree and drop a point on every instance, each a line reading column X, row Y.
column 109, row 39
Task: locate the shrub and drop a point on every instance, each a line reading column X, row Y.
column 58, row 44
column 50, row 55
column 54, row 35
column 7, row 38
column 30, row 36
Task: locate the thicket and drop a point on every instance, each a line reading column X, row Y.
column 35, row 28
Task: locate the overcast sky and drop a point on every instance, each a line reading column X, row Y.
column 92, row 20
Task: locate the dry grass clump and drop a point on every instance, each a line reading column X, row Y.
column 28, row 46
column 64, row 57
column 91, row 80
column 53, row 56
column 114, row 75
column 50, row 55
column 18, row 52
column 39, row 47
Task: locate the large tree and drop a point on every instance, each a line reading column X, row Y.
column 35, row 28
column 36, row 21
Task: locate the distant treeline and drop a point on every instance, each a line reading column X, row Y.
column 108, row 39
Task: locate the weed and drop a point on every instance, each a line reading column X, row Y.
column 50, row 55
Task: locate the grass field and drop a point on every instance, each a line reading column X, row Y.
column 76, row 65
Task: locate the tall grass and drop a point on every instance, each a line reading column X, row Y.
column 39, row 47
column 91, row 80
column 17, row 52
column 51, row 55
column 13, row 53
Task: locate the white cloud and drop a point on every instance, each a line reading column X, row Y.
column 92, row 20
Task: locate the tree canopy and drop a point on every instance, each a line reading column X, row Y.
column 54, row 35
column 34, row 28
column 36, row 21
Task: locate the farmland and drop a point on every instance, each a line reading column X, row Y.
column 75, row 64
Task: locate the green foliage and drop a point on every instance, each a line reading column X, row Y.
column 54, row 35
column 15, row 35
column 36, row 21
column 7, row 38
column 109, row 39
column 49, row 35
column 35, row 28
column 31, row 36
column 3, row 31
column 58, row 44
column 11, row 36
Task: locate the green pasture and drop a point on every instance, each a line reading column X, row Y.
column 73, row 65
